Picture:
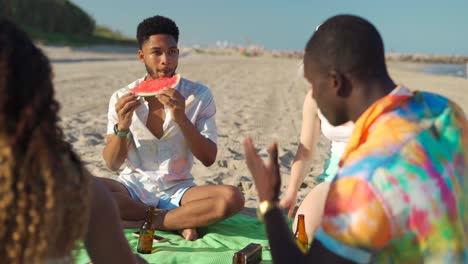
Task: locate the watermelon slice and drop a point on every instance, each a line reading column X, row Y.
column 151, row 87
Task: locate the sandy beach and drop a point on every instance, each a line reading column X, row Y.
column 256, row 96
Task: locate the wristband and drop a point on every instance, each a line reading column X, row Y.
column 120, row 133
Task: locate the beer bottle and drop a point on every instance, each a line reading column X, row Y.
column 145, row 241
column 301, row 235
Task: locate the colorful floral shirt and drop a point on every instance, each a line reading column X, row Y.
column 401, row 194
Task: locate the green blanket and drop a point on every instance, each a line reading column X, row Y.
column 219, row 243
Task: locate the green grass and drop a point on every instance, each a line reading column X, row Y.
column 101, row 36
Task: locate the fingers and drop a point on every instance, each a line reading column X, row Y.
column 288, row 203
column 170, row 92
column 125, row 107
column 171, row 97
column 127, row 101
column 251, row 155
column 124, row 99
column 129, row 107
column 167, row 100
column 248, row 147
column 291, row 211
column 273, row 153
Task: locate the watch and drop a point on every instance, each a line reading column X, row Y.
column 120, row 133
column 264, row 207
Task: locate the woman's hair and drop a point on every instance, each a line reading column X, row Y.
column 43, row 184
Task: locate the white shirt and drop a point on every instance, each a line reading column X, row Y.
column 338, row 135
column 154, row 165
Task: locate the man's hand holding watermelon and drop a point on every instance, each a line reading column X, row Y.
column 125, row 107
column 173, row 100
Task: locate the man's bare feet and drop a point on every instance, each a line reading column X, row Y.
column 189, row 234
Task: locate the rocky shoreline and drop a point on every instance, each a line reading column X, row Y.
column 256, row 52
column 425, row 58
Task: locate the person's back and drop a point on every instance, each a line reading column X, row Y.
column 43, row 186
column 45, row 189
column 400, row 193
column 409, row 204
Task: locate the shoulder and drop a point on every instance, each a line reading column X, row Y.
column 198, row 90
column 309, row 103
column 441, row 106
column 196, row 87
column 427, row 106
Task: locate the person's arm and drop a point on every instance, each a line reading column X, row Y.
column 202, row 148
column 284, row 248
column 267, row 180
column 310, row 134
column 120, row 112
column 115, row 151
column 104, row 240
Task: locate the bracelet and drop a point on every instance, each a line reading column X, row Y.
column 120, row 133
column 264, row 207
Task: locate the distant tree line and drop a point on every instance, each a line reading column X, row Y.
column 55, row 16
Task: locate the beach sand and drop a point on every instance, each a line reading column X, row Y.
column 259, row 97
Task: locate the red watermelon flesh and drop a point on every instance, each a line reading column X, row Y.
column 151, row 87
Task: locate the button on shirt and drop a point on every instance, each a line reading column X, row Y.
column 156, row 165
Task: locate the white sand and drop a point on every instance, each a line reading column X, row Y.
column 260, row 97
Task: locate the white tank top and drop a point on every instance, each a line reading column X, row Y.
column 338, row 135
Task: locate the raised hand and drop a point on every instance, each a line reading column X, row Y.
column 266, row 176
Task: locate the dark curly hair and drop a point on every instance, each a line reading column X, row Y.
column 43, row 184
column 156, row 25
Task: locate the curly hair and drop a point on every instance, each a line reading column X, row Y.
column 43, row 184
column 156, row 25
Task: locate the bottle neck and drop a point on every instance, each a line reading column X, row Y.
column 149, row 215
column 301, row 229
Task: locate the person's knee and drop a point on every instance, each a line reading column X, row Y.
column 232, row 202
column 112, row 185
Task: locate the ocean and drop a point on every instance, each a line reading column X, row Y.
column 457, row 70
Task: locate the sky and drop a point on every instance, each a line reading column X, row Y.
column 429, row 27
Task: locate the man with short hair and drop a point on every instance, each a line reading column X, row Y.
column 400, row 195
column 158, row 137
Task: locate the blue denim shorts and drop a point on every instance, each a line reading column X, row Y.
column 167, row 200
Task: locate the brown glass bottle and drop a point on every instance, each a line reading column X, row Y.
column 145, row 241
column 301, row 235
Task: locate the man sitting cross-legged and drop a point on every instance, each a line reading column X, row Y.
column 158, row 137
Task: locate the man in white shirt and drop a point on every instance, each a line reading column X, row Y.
column 158, row 136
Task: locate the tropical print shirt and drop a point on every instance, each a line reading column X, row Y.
column 401, row 195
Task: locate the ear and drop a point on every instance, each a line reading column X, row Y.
column 141, row 55
column 340, row 84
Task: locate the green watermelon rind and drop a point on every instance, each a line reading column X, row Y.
column 149, row 94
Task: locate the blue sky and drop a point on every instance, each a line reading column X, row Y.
column 433, row 27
